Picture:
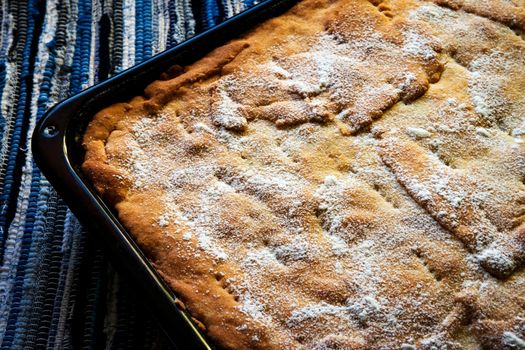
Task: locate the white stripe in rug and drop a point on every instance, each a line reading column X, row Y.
column 96, row 14
column 228, row 8
column 160, row 25
column 190, row 21
column 185, row 25
column 238, row 6
column 6, row 23
column 128, row 44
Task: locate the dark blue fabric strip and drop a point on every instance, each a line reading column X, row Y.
column 249, row 3
column 53, row 263
column 139, row 31
column 94, row 307
column 3, row 67
column 42, row 272
column 211, row 13
column 66, row 266
column 7, row 176
column 147, row 29
column 80, row 67
column 143, row 30
column 118, row 30
column 17, row 317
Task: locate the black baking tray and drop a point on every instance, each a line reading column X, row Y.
column 57, row 149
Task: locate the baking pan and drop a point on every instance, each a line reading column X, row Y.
column 56, row 146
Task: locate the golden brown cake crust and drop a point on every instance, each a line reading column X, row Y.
column 348, row 175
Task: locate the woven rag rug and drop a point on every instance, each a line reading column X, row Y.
column 57, row 289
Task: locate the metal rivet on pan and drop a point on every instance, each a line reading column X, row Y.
column 50, row 131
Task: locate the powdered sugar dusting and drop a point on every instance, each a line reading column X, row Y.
column 328, row 78
column 226, row 113
column 323, row 232
column 418, row 45
column 493, row 76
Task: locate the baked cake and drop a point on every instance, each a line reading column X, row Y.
column 348, row 175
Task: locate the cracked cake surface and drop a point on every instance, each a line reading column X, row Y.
column 348, row 175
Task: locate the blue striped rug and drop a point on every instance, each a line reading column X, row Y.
column 57, row 289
